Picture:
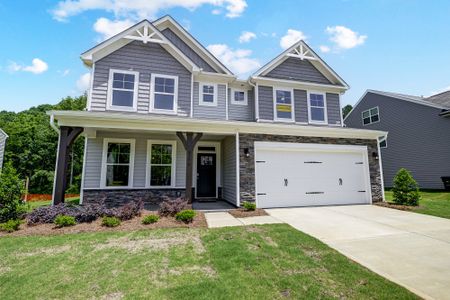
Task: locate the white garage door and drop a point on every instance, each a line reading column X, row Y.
column 291, row 174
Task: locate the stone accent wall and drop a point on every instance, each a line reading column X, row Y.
column 114, row 198
column 247, row 164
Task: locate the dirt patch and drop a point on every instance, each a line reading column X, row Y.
column 269, row 241
column 130, row 225
column 4, row 270
column 112, row 296
column 206, row 270
column 46, row 251
column 243, row 213
column 398, row 206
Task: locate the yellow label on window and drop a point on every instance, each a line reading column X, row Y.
column 284, row 108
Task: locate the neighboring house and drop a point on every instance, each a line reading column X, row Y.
column 165, row 115
column 3, row 137
column 419, row 133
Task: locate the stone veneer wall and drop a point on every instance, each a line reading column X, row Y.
column 247, row 164
column 118, row 197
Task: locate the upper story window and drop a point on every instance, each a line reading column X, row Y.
column 118, row 160
column 122, row 92
column 317, row 108
column 239, row 97
column 161, row 163
column 164, row 93
column 283, row 105
column 370, row 116
column 208, row 94
column 383, row 142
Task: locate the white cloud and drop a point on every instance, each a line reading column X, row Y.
column 108, row 28
column 292, row 36
column 239, row 60
column 141, row 9
column 246, row 36
column 216, row 11
column 64, row 73
column 344, row 37
column 324, row 49
column 37, row 66
column 84, row 82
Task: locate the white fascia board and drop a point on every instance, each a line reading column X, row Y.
column 299, row 84
column 130, row 121
column 213, row 77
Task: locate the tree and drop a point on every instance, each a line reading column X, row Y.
column 346, row 110
column 11, row 189
column 405, row 189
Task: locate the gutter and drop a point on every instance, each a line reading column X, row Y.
column 52, row 123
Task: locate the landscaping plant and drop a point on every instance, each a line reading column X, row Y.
column 405, row 190
column 110, row 221
column 64, row 221
column 250, row 206
column 186, row 216
column 11, row 188
column 150, row 219
column 171, row 207
column 10, row 226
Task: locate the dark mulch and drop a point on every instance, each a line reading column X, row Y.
column 398, row 206
column 243, row 213
column 130, row 225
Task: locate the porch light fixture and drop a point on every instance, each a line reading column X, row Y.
column 375, row 155
column 247, row 154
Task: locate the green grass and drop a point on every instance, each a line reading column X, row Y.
column 35, row 204
column 255, row 262
column 435, row 203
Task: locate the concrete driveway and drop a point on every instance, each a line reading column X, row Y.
column 410, row 249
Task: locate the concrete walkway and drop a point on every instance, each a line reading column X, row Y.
column 224, row 219
column 410, row 249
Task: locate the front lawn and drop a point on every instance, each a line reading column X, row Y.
column 435, row 203
column 254, row 262
column 35, row 204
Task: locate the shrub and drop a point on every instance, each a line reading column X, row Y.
column 186, row 216
column 10, row 226
column 64, row 221
column 405, row 189
column 110, row 221
column 150, row 219
column 171, row 207
column 250, row 206
column 11, row 188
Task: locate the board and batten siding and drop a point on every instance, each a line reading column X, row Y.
column 94, row 152
column 239, row 112
column 146, row 59
column 418, row 138
column 265, row 102
column 333, row 109
column 2, row 148
column 296, row 69
column 301, row 106
column 229, row 169
column 210, row 112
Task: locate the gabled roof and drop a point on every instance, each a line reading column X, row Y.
column 440, row 99
column 302, row 51
column 143, row 31
column 3, row 133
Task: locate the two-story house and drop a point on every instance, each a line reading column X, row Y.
column 419, row 133
column 167, row 118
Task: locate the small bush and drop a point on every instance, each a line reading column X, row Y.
column 150, row 219
column 10, row 226
column 250, row 206
column 11, row 188
column 186, row 216
column 171, row 207
column 64, row 221
column 110, row 221
column 405, row 189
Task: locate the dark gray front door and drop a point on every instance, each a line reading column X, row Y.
column 206, row 175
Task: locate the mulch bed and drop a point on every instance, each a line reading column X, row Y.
column 130, row 225
column 397, row 206
column 243, row 213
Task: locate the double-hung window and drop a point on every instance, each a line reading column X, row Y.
column 208, row 94
column 317, row 108
column 239, row 97
column 164, row 93
column 161, row 163
column 122, row 93
column 283, row 108
column 370, row 116
column 118, row 160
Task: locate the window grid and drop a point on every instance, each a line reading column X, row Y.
column 371, row 116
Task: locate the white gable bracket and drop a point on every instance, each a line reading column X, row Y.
column 146, row 36
column 302, row 53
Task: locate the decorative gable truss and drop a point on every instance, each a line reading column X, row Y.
column 302, row 53
column 146, row 34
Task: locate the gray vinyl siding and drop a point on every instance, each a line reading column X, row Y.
column 191, row 54
column 301, row 106
column 211, row 112
column 229, row 169
column 2, row 148
column 333, row 109
column 297, row 69
column 265, row 102
column 146, row 59
column 418, row 138
column 242, row 112
column 94, row 152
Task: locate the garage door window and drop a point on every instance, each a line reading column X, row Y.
column 283, row 105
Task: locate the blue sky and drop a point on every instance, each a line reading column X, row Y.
column 393, row 45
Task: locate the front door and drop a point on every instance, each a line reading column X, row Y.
column 206, row 175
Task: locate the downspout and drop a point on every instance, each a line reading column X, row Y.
column 52, row 125
column 381, row 164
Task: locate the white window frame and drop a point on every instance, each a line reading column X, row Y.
column 325, row 110
column 110, row 106
column 275, row 118
column 173, row 143
column 200, row 94
column 234, row 102
column 383, row 139
column 152, row 94
column 106, row 141
column 370, row 116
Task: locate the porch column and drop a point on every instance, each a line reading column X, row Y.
column 189, row 141
column 67, row 136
